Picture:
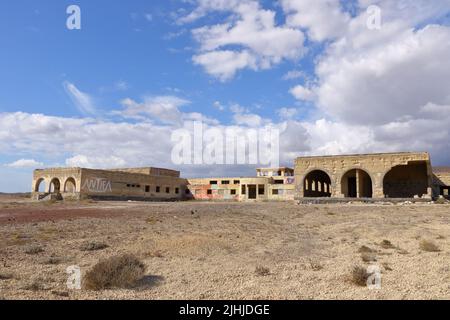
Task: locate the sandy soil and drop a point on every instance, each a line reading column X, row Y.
column 197, row 250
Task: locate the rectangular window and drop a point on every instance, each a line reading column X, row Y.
column 244, row 190
column 167, row 190
column 213, row 182
column 275, row 191
column 147, row 189
column 177, row 190
column 158, row 189
column 236, row 182
column 210, row 191
column 261, row 190
column 138, row 186
column 225, row 182
column 279, row 181
column 233, row 192
column 187, row 191
column 128, row 185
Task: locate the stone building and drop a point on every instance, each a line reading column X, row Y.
column 365, row 176
column 441, row 181
column 117, row 184
column 269, row 184
column 380, row 176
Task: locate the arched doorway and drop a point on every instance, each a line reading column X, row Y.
column 40, row 186
column 357, row 183
column 70, row 186
column 55, row 186
column 406, row 181
column 317, row 184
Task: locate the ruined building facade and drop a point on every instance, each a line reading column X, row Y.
column 366, row 176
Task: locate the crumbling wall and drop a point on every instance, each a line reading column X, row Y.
column 375, row 165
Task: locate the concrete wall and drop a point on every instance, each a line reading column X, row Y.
column 111, row 185
column 441, row 181
column 245, row 189
column 376, row 166
column 64, row 176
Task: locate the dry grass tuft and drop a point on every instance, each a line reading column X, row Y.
column 33, row 249
column 121, row 271
column 386, row 244
column 365, row 249
column 315, row 266
column 6, row 276
column 428, row 246
column 262, row 271
column 35, row 285
column 368, row 257
column 52, row 261
column 359, row 276
column 93, row 246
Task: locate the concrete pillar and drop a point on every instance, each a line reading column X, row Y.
column 359, row 183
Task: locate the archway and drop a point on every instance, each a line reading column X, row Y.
column 357, row 183
column 406, row 181
column 317, row 184
column 70, row 186
column 40, row 186
column 55, row 186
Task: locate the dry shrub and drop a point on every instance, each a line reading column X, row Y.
column 121, row 271
column 155, row 254
column 428, row 246
column 359, row 276
column 315, row 266
column 52, row 261
column 35, row 285
column 365, row 249
column 33, row 249
column 6, row 276
column 386, row 244
column 93, row 246
column 262, row 271
column 368, row 257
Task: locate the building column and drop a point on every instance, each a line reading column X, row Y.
column 359, row 183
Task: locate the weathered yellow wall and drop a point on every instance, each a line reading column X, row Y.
column 376, row 165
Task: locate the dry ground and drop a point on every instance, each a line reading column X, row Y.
column 197, row 250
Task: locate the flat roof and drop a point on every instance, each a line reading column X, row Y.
column 365, row 154
column 441, row 169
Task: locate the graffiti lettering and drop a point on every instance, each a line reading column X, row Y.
column 98, row 185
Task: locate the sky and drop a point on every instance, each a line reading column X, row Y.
column 332, row 77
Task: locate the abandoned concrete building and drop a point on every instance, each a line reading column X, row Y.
column 269, row 184
column 116, row 184
column 368, row 176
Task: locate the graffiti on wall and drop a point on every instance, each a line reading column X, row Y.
column 98, row 185
column 290, row 180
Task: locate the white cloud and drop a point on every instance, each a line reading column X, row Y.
column 161, row 108
column 224, row 64
column 25, row 163
column 324, row 19
column 287, row 113
column 83, row 101
column 302, row 93
column 293, row 74
column 219, row 106
column 96, row 162
column 260, row 42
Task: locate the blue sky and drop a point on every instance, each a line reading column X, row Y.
column 313, row 69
